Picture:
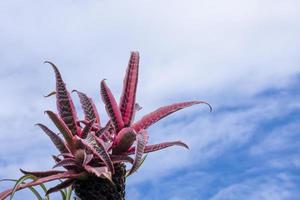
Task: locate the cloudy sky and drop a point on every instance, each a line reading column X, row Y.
column 241, row 56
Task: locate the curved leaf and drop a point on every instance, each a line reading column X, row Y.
column 62, row 128
column 127, row 101
column 67, row 162
column 39, row 181
column 98, row 171
column 142, row 139
column 87, row 129
column 88, row 107
column 40, row 174
column 162, row 112
column 111, row 107
column 157, row 147
column 58, row 142
column 50, row 94
column 21, row 181
column 60, row 186
column 99, row 151
column 64, row 102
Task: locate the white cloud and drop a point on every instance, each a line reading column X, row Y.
column 279, row 187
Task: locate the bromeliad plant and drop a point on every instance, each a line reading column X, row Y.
column 93, row 155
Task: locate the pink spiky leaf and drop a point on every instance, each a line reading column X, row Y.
column 40, row 174
column 102, row 150
column 87, row 128
column 60, row 186
column 88, row 107
column 157, row 147
column 39, row 181
column 142, row 139
column 57, row 160
column 162, row 112
column 107, row 127
column 58, row 142
column 64, row 102
column 127, row 101
column 67, row 162
column 98, row 151
column 62, row 127
column 124, row 140
column 111, row 107
column 98, row 171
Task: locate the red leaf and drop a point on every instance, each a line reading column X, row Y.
column 162, row 112
column 39, row 181
column 111, row 107
column 142, row 139
column 156, row 147
column 127, row 101
column 42, row 173
column 87, row 128
column 124, row 140
column 99, row 151
column 58, row 142
column 60, row 186
column 98, row 171
column 67, row 162
column 62, row 127
column 89, row 108
column 64, row 103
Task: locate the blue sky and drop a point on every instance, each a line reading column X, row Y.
column 241, row 56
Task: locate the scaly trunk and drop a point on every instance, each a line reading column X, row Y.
column 95, row 188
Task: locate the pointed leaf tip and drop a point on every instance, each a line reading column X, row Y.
column 162, row 112
column 88, row 106
column 57, row 141
column 64, row 102
column 111, row 106
column 62, row 127
column 127, row 100
column 206, row 103
column 142, row 139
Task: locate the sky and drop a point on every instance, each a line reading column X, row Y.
column 240, row 56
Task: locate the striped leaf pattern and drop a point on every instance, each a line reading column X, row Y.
column 62, row 127
column 98, row 151
column 162, row 112
column 58, row 142
column 67, row 162
column 101, row 149
column 98, row 171
column 88, row 107
column 127, row 101
column 111, row 107
column 87, row 128
column 64, row 103
column 142, row 139
column 157, row 147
